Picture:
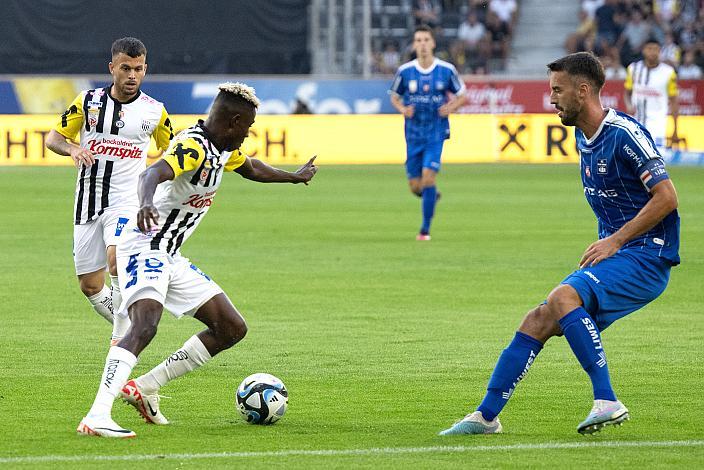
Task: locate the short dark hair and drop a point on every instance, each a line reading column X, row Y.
column 582, row 64
column 133, row 47
column 425, row 29
column 652, row 40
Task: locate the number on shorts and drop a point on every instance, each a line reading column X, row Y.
column 132, row 270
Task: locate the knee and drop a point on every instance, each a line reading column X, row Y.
column 145, row 323
column 428, row 180
column 562, row 300
column 90, row 286
column 415, row 186
column 540, row 324
column 231, row 330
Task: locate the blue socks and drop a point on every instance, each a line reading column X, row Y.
column 584, row 339
column 429, row 196
column 512, row 366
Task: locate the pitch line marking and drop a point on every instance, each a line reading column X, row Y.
column 345, row 452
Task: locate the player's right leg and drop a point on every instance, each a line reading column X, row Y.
column 513, row 364
column 114, row 220
column 90, row 261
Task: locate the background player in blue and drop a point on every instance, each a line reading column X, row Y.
column 635, row 204
column 420, row 92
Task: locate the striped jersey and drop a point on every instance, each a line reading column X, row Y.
column 182, row 202
column 118, row 135
column 619, row 165
column 650, row 90
column 426, row 90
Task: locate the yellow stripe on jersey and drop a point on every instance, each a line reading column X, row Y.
column 672, row 85
column 163, row 132
column 236, row 160
column 72, row 119
column 628, row 84
column 184, row 155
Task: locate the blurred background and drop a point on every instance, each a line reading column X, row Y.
column 322, row 68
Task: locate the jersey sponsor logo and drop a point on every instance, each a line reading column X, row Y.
column 631, row 153
column 600, row 192
column 601, row 166
column 94, row 105
column 200, row 200
column 439, row 86
column 114, row 148
column 593, row 333
column 412, row 86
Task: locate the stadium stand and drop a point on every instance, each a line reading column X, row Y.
column 617, row 28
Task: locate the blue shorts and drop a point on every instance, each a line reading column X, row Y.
column 620, row 284
column 422, row 154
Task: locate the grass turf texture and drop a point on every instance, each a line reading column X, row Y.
column 382, row 341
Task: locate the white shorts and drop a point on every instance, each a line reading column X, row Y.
column 172, row 281
column 92, row 239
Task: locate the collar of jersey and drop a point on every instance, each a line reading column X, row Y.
column 416, row 64
column 607, row 117
column 131, row 100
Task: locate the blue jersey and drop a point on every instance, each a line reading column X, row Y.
column 426, row 90
column 620, row 165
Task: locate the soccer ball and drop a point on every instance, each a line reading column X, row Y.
column 262, row 399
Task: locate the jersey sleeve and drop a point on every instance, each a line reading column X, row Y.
column 72, row 119
column 164, row 132
column 638, row 152
column 672, row 85
column 628, row 83
column 184, row 155
column 236, row 160
column 456, row 84
column 399, row 84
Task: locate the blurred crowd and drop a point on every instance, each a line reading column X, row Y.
column 615, row 30
column 474, row 35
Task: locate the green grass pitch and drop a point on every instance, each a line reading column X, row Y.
column 382, row 341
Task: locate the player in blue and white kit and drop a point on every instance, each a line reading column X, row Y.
column 635, row 203
column 421, row 92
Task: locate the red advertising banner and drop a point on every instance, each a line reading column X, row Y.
column 533, row 96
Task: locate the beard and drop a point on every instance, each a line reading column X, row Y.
column 569, row 119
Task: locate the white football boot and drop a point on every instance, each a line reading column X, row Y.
column 474, row 423
column 103, row 427
column 604, row 413
column 146, row 405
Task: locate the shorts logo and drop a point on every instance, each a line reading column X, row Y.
column 121, row 222
column 601, row 166
column 592, row 277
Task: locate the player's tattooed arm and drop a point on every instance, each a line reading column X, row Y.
column 257, row 170
column 57, row 143
column 148, row 215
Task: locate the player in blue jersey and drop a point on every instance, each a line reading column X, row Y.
column 426, row 91
column 635, row 203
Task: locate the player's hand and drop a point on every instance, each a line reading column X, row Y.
column 444, row 111
column 306, row 172
column 81, row 156
column 147, row 218
column 409, row 111
column 599, row 251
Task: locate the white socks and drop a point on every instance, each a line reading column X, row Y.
column 118, row 366
column 120, row 323
column 192, row 355
column 102, row 303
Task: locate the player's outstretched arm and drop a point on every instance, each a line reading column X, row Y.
column 57, row 143
column 257, row 170
column 148, row 216
column 663, row 201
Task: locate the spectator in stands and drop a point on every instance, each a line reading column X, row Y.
column 589, row 7
column 613, row 70
column 689, row 70
column 427, row 12
column 390, row 58
column 634, row 35
column 576, row 41
column 607, row 29
column 480, row 7
column 665, row 10
column 670, row 52
column 470, row 49
column 499, row 35
column 505, row 10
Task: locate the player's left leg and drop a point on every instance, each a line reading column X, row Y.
column 431, row 166
column 114, row 222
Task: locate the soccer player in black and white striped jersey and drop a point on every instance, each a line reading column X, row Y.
column 174, row 195
column 114, row 126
